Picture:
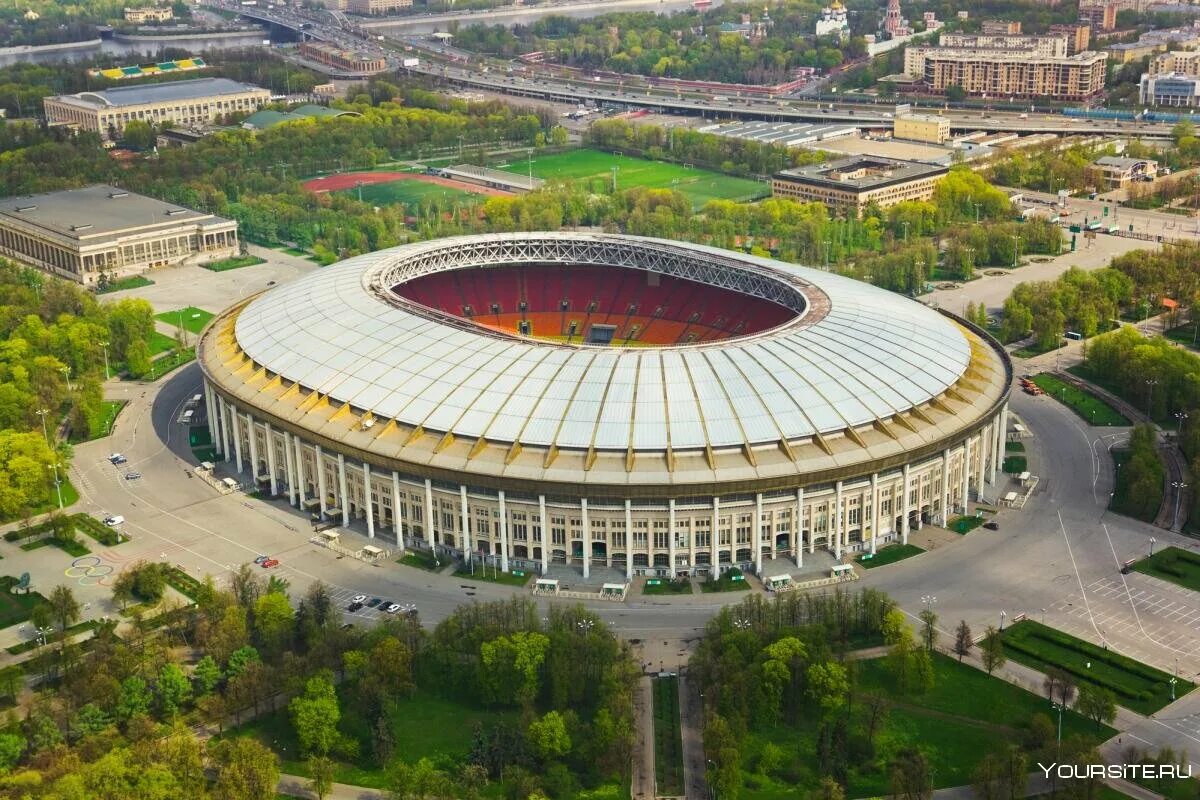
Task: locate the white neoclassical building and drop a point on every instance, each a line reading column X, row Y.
column 604, row 400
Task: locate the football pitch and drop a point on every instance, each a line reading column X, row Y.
column 411, row 193
column 700, row 185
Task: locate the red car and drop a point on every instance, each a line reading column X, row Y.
column 270, row 562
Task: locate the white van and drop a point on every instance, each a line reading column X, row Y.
column 114, row 520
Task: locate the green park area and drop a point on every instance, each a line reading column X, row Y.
column 421, row 560
column 1135, row 685
column 1174, row 564
column 731, row 580
column 158, row 342
column 1088, row 406
column 587, row 166
column 191, row 319
column 492, row 575
column 889, row 555
column 668, row 738
column 102, row 425
column 16, row 605
column 963, row 718
column 132, row 282
column 421, row 726
column 411, row 193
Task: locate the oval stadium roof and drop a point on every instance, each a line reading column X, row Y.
column 856, row 354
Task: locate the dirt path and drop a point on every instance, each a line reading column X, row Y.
column 350, row 180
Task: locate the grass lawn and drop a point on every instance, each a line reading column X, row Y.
column 111, row 409
column 1015, row 465
column 15, row 608
column 700, row 185
column 421, row 560
column 70, row 548
column 489, row 575
column 234, row 263
column 965, row 524
column 668, row 740
column 966, row 715
column 1185, row 335
column 132, row 282
column 160, row 343
column 1014, row 447
column 193, row 319
column 889, row 555
column 1173, row 564
column 161, row 366
column 411, row 193
column 667, row 586
column 424, row 726
column 1137, row 686
column 1088, row 406
column 69, row 498
column 726, row 583
column 1121, row 501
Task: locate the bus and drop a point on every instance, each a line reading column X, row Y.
column 1113, row 230
column 1093, row 226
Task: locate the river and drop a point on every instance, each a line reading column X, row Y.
column 510, row 16
column 128, row 52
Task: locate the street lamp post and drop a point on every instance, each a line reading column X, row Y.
column 1180, row 416
column 1003, row 614
column 57, row 484
column 1150, row 383
column 42, row 412
column 1059, row 708
column 1152, row 541
column 106, row 373
column 67, row 371
column 1178, row 486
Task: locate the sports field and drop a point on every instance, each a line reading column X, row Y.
column 412, row 193
column 700, row 185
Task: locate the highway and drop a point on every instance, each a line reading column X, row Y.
column 440, row 63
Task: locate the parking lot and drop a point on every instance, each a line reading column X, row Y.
column 342, row 597
column 1144, row 609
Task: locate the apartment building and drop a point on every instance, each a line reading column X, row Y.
column 151, row 14
column 1079, row 37
column 929, row 128
column 1008, row 73
column 345, row 60
column 373, row 7
column 1054, row 45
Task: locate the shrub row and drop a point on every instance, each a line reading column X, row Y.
column 183, row 583
column 1185, row 556
column 1083, row 674
column 1115, row 660
column 96, row 529
column 21, row 534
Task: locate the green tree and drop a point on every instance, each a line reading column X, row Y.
column 174, row 689
column 511, row 665
column 64, row 606
column 134, row 699
column 549, row 736
column 963, row 641
column 246, row 769
column 11, row 748
column 137, row 358
column 1096, row 703
column 993, row 650
column 315, row 715
column 273, row 619
column 320, row 770
column 929, row 628
column 828, row 685
column 206, row 675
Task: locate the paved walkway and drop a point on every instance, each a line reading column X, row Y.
column 691, row 718
column 296, row 786
column 643, row 744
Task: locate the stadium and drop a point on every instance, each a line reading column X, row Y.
column 606, row 404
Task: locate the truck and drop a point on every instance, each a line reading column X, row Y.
column 411, row 62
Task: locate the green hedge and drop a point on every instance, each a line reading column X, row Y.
column 183, row 583
column 96, row 529
column 21, row 534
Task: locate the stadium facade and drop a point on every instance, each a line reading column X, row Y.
column 606, row 400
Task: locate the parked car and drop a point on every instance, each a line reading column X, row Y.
column 374, row 602
column 359, row 598
column 132, row 476
column 261, row 559
column 114, row 520
column 393, row 608
column 270, row 563
column 992, row 526
column 354, row 607
column 116, row 458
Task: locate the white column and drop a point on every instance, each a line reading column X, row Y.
column 321, row 488
column 345, row 495
column 289, row 468
column 234, row 417
column 545, row 523
column 874, row 510
column 367, row 500
column 504, row 535
column 587, row 537
column 253, row 450
column 210, row 416
column 430, row 516
column 271, row 464
column 758, row 534
column 629, row 537
column 966, row 473
column 836, row 523
column 946, row 487
column 1001, row 438
column 905, row 509
column 798, row 528
column 671, row 532
column 716, row 536
column 397, row 515
column 466, row 523
column 298, row 458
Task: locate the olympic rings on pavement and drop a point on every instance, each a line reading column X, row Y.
column 88, row 570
